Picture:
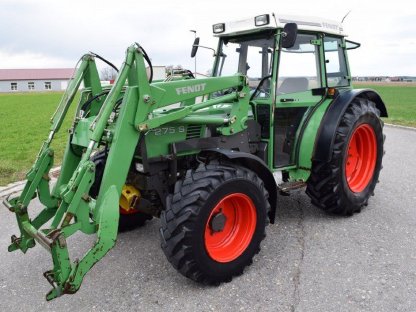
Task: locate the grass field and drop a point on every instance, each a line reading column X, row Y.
column 400, row 100
column 24, row 126
column 25, row 122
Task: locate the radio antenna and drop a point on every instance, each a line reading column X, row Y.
column 345, row 16
column 274, row 17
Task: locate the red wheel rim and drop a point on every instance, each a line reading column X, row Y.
column 362, row 156
column 229, row 243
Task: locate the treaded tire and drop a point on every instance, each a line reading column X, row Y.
column 127, row 222
column 327, row 185
column 184, row 221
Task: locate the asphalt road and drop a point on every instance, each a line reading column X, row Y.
column 309, row 261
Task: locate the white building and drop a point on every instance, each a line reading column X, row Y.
column 25, row 80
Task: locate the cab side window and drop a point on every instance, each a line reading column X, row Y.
column 299, row 66
column 336, row 68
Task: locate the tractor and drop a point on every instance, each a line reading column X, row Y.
column 200, row 154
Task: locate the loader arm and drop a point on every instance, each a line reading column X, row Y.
column 69, row 205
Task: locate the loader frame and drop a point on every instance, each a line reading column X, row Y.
column 68, row 206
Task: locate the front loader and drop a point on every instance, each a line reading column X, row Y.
column 200, row 153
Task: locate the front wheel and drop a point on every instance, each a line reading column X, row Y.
column 214, row 222
column 344, row 184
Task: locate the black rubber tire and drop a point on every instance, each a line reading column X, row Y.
column 127, row 222
column 327, row 185
column 188, row 209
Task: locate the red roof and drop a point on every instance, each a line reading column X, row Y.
column 36, row 74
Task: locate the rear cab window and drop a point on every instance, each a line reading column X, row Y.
column 335, row 63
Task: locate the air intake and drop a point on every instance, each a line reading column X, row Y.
column 193, row 131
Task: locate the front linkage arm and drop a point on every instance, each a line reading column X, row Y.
column 53, row 239
column 38, row 176
column 69, row 205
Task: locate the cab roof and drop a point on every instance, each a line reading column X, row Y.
column 308, row 23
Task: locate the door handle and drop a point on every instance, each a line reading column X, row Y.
column 287, row 100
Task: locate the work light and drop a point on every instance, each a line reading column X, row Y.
column 218, row 28
column 262, row 20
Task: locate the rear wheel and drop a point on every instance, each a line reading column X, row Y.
column 214, row 222
column 344, row 184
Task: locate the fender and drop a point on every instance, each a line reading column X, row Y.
column 332, row 118
column 257, row 165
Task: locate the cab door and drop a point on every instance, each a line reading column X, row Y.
column 298, row 74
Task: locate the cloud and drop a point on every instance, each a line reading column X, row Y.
column 37, row 60
column 57, row 33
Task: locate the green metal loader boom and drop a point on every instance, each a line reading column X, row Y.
column 69, row 206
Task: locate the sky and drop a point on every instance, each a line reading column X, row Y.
column 53, row 33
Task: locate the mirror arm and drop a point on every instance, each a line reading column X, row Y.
column 213, row 50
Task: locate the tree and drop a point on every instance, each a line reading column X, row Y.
column 108, row 73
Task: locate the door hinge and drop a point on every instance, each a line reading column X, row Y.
column 317, row 42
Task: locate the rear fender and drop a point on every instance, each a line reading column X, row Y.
column 326, row 133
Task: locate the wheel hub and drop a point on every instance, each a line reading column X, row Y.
column 217, row 223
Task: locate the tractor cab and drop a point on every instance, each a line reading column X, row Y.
column 291, row 64
column 286, row 48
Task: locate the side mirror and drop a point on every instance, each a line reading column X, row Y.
column 195, row 47
column 289, row 35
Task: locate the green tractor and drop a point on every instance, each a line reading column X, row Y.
column 200, row 153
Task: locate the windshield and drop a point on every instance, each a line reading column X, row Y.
column 250, row 56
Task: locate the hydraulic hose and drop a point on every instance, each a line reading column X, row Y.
column 88, row 103
column 104, row 60
column 147, row 58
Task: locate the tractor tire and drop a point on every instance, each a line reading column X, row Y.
column 128, row 220
column 343, row 185
column 214, row 222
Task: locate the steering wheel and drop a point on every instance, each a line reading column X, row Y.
column 259, row 87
